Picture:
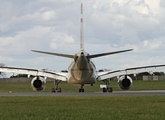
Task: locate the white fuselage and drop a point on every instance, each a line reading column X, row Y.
column 81, row 70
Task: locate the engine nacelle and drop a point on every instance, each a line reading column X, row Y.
column 38, row 83
column 125, row 82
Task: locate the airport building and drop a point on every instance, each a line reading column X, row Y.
column 153, row 77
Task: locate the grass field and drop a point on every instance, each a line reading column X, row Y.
column 137, row 85
column 83, row 108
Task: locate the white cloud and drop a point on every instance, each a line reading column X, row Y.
column 108, row 26
column 48, row 15
column 6, row 59
column 69, row 39
column 154, row 6
column 145, row 43
column 24, row 40
column 155, row 45
column 60, row 39
column 152, row 45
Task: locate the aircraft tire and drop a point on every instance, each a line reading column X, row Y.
column 81, row 90
column 104, row 90
column 59, row 90
column 110, row 89
column 53, row 90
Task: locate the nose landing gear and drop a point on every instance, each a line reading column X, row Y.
column 81, row 89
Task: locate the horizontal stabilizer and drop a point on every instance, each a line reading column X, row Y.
column 57, row 54
column 108, row 53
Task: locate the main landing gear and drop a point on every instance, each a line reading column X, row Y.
column 56, row 89
column 81, row 89
column 107, row 88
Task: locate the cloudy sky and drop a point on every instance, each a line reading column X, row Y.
column 109, row 25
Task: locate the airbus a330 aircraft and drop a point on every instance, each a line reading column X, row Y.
column 82, row 70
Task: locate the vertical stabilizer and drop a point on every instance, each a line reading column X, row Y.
column 81, row 30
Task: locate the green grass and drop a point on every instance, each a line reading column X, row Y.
column 82, row 108
column 137, row 85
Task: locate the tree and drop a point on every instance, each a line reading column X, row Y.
column 19, row 76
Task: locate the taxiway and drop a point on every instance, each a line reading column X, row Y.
column 115, row 93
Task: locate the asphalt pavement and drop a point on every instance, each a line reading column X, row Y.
column 115, row 93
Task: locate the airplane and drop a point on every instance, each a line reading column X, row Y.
column 82, row 70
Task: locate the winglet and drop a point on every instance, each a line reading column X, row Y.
column 81, row 30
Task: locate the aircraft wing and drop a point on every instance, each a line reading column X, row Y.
column 55, row 75
column 128, row 71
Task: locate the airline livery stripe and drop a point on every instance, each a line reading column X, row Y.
column 81, row 8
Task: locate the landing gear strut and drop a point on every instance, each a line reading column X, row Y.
column 81, row 89
column 56, row 89
column 107, row 88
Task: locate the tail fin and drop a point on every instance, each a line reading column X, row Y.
column 81, row 30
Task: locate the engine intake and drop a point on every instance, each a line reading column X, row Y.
column 125, row 82
column 38, row 83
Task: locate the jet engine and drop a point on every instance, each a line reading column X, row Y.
column 125, row 82
column 38, row 83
